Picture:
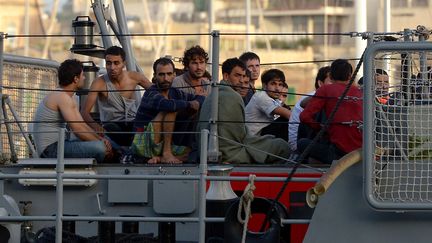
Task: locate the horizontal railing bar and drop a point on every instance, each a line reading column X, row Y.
column 156, row 177
column 261, row 178
column 139, row 219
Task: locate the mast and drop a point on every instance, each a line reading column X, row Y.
column 124, row 37
column 46, row 51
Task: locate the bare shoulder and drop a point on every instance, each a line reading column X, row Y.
column 138, row 78
column 59, row 100
column 98, row 84
column 135, row 76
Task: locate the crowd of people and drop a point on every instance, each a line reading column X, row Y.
column 253, row 124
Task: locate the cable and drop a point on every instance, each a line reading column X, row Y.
column 315, row 140
column 8, row 36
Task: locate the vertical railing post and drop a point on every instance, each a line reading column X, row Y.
column 202, row 186
column 423, row 82
column 213, row 149
column 2, row 37
column 59, row 191
column 406, row 68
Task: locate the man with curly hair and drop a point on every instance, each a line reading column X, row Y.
column 194, row 80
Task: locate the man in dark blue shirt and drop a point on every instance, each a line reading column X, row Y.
column 156, row 116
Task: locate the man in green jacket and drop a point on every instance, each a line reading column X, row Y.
column 235, row 145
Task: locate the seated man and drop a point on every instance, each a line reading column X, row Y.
column 344, row 132
column 116, row 98
column 156, row 116
column 195, row 80
column 297, row 130
column 235, row 144
column 245, row 89
column 264, row 111
column 59, row 109
column 253, row 64
column 279, row 127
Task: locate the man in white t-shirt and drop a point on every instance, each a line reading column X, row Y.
column 322, row 78
column 265, row 106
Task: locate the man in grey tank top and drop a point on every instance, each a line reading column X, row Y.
column 59, row 108
column 116, row 97
column 196, row 81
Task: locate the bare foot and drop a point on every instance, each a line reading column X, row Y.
column 170, row 159
column 154, row 160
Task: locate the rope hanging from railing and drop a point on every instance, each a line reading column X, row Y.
column 245, row 205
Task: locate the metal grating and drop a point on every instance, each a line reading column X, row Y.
column 398, row 126
column 21, row 82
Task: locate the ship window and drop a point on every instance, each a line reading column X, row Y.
column 334, row 26
column 399, row 3
column 409, row 3
column 299, row 24
column 420, row 3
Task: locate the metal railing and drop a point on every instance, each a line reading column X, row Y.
column 202, row 178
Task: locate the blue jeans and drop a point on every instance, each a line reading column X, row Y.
column 77, row 149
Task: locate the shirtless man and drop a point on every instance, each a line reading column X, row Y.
column 118, row 107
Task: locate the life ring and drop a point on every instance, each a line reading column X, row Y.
column 233, row 229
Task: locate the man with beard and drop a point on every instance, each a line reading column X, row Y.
column 194, row 80
column 116, row 97
column 235, row 143
column 156, row 116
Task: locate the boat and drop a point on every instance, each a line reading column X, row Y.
column 198, row 202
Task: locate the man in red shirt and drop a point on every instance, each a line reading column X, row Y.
column 344, row 132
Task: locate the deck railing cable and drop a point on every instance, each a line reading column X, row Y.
column 315, row 140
